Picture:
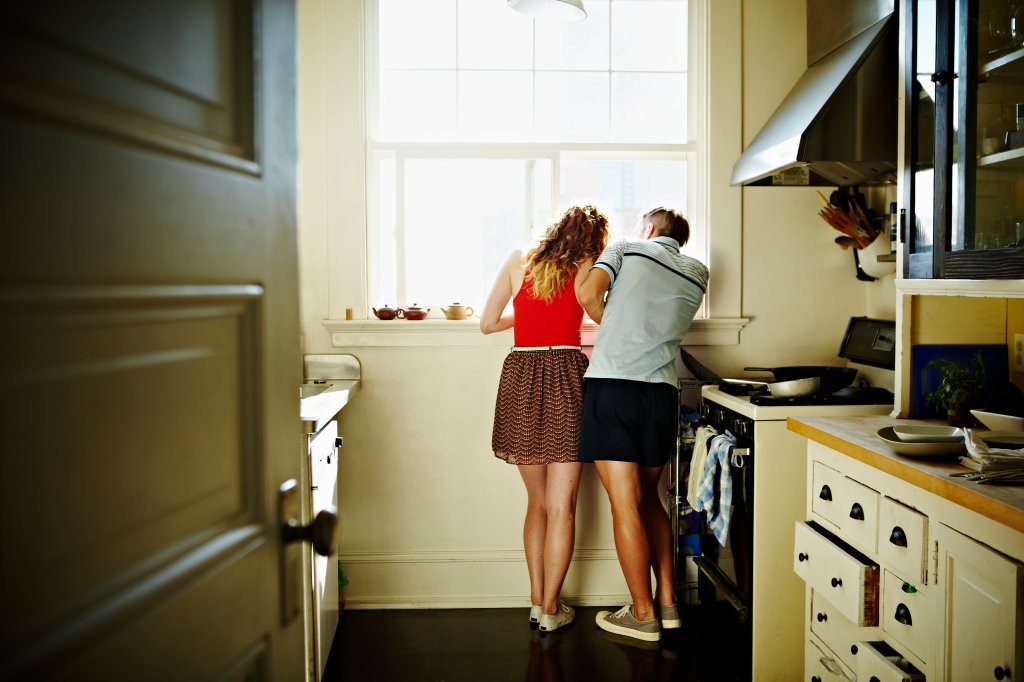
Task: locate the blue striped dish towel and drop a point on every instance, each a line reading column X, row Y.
column 715, row 493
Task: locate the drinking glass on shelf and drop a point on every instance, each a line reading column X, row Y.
column 999, row 24
column 1017, row 24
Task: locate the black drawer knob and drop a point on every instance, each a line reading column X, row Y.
column 898, row 537
column 826, row 493
column 857, row 512
column 815, row 678
column 874, row 679
column 822, row 617
column 802, row 557
column 853, row 649
column 903, row 615
column 837, row 582
column 1002, row 673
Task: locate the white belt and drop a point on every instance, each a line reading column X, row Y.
column 517, row 349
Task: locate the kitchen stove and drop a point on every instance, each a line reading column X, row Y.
column 754, row 570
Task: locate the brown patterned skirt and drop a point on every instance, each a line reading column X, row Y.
column 537, row 413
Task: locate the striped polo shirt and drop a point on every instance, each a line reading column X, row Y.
column 655, row 292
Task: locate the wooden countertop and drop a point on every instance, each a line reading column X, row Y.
column 857, row 437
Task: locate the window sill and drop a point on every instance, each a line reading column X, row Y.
column 361, row 333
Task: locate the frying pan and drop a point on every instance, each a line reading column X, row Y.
column 832, row 378
column 795, row 388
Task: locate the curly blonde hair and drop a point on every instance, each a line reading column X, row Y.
column 581, row 233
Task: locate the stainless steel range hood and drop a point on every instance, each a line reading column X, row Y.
column 838, row 122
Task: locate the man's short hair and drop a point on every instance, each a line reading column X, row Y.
column 669, row 222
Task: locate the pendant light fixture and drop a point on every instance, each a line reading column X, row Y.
column 560, row 10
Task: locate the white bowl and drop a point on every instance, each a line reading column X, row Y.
column 929, row 434
column 999, row 422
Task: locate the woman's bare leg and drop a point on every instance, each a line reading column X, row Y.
column 535, row 526
column 563, row 484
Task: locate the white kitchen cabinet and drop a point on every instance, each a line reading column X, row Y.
column 949, row 602
column 323, row 474
column 983, row 620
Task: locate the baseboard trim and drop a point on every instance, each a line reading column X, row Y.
column 367, row 603
column 470, row 556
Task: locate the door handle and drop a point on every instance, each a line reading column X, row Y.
column 320, row 533
column 903, row 615
column 898, row 537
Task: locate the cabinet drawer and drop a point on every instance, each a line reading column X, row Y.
column 838, row 633
column 825, row 486
column 821, row 666
column 881, row 662
column 903, row 540
column 907, row 616
column 859, row 514
column 844, row 576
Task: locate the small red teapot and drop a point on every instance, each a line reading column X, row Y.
column 414, row 312
column 386, row 313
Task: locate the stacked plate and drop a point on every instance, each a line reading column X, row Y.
column 996, row 456
column 923, row 440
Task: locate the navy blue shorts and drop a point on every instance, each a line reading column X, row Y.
column 629, row 421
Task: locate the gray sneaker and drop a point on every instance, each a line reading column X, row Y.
column 623, row 622
column 670, row 617
column 564, row 615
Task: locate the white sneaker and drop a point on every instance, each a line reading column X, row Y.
column 535, row 613
column 563, row 616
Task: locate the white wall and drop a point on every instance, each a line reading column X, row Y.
column 429, row 517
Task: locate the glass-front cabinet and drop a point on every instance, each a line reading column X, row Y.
column 964, row 155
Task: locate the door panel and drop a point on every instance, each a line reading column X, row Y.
column 148, row 339
column 175, row 75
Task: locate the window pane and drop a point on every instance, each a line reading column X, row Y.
column 417, row 105
column 417, row 34
column 575, row 45
column 648, row 107
column 649, row 35
column 495, row 105
column 624, row 190
column 382, row 241
column 543, row 212
column 492, row 37
column 560, row 116
column 462, row 219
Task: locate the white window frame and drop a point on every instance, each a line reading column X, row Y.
column 715, row 123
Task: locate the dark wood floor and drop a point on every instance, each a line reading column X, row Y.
column 493, row 645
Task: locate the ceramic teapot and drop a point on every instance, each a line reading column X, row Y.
column 386, row 313
column 457, row 311
column 414, row 312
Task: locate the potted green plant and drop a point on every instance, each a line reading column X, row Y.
column 960, row 389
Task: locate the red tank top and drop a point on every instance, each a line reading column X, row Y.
column 547, row 324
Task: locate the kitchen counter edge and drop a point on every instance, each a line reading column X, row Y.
column 856, row 437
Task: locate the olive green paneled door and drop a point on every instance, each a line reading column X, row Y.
column 149, row 342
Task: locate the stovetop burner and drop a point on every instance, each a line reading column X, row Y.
column 852, row 395
column 872, row 395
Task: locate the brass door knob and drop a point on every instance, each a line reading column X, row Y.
column 321, row 532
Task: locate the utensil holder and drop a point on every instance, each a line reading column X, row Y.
column 869, row 257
